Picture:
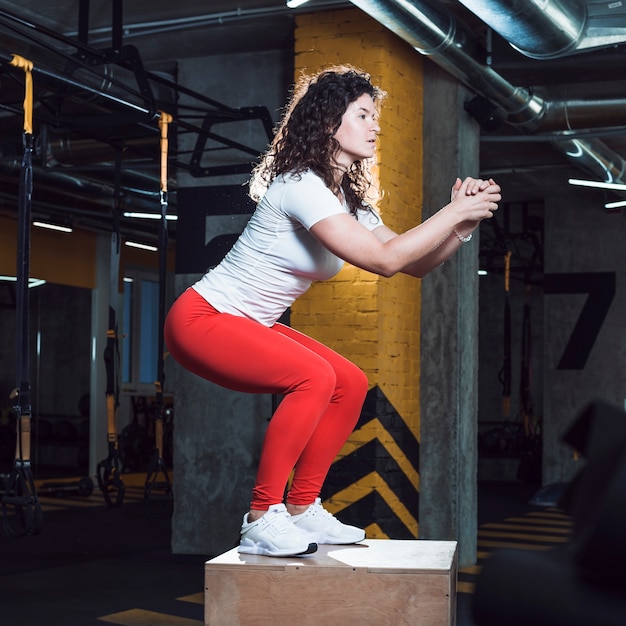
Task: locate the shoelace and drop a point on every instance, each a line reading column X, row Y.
column 281, row 520
column 319, row 511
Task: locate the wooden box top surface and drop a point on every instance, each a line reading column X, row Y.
column 372, row 555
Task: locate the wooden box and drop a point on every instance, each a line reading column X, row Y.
column 378, row 582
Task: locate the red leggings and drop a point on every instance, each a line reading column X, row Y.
column 323, row 391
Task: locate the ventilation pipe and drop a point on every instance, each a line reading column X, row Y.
column 53, row 182
column 546, row 29
column 432, row 31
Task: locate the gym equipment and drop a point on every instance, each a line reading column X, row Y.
column 108, row 470
column 157, row 479
column 20, row 494
column 83, row 488
column 583, row 581
column 505, row 372
column 530, row 465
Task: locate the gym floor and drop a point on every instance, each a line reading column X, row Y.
column 94, row 565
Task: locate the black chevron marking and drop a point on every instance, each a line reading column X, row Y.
column 376, row 405
column 373, row 509
column 373, row 457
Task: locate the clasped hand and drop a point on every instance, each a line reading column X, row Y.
column 475, row 199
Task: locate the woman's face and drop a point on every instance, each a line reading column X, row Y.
column 358, row 131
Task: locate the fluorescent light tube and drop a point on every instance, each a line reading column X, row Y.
column 599, row 185
column 63, row 229
column 142, row 246
column 149, row 216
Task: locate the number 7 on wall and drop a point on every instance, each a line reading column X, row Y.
column 600, row 287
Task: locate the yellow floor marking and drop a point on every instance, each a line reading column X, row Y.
column 555, row 527
column 530, row 520
column 132, row 480
column 510, row 544
column 548, row 514
column 464, row 587
column 522, row 536
column 195, row 598
column 138, row 617
column 48, row 509
column 59, row 501
column 544, row 529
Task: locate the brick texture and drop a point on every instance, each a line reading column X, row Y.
column 373, row 321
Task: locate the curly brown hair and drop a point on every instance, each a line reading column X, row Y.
column 305, row 137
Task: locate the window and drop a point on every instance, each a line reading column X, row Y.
column 140, row 337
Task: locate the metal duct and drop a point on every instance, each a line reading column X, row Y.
column 593, row 154
column 68, row 149
column 545, row 29
column 432, row 31
column 56, row 182
column 539, row 29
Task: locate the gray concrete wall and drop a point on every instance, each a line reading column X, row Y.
column 217, row 444
column 581, row 237
column 449, row 397
column 218, row 433
column 236, row 80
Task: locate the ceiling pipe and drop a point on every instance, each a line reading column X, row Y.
column 594, row 156
column 546, row 29
column 65, row 182
column 432, row 31
column 159, row 27
column 540, row 29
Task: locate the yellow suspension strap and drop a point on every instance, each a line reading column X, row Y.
column 158, row 484
column 20, row 496
column 108, row 470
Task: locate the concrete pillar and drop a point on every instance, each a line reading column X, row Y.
column 218, row 433
column 217, row 444
column 98, row 448
column 449, row 342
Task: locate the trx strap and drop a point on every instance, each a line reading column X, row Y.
column 108, row 471
column 526, row 399
column 505, row 372
column 20, row 492
column 157, row 479
column 530, row 466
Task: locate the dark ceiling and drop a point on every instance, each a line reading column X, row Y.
column 55, row 36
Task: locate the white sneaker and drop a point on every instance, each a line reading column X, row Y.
column 274, row 534
column 326, row 528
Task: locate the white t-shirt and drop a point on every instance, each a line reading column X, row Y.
column 276, row 259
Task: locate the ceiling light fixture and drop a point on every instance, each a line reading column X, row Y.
column 141, row 246
column 49, row 226
column 149, row 216
column 32, row 282
column 599, row 185
column 615, row 205
column 294, row 4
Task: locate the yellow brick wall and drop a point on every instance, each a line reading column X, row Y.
column 373, row 321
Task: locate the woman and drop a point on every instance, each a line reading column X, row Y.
column 312, row 187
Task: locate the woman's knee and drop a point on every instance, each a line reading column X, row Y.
column 353, row 381
column 323, row 377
